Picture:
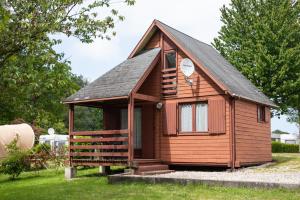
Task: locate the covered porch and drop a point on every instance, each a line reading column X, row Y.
column 127, row 136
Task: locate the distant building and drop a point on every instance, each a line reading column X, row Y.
column 285, row 138
column 55, row 141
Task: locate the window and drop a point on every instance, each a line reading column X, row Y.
column 261, row 114
column 186, row 118
column 193, row 117
column 170, row 60
column 201, row 117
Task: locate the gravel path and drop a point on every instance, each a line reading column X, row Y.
column 246, row 176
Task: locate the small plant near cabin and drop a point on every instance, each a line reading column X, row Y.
column 16, row 160
column 40, row 155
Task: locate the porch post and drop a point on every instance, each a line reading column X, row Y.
column 130, row 129
column 71, row 129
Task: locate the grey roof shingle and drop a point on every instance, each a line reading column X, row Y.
column 221, row 69
column 119, row 81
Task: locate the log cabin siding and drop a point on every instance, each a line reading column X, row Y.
column 253, row 138
column 202, row 84
column 154, row 41
column 195, row 148
column 151, row 85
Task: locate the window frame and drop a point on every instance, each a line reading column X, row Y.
column 194, row 131
column 165, row 59
column 261, row 114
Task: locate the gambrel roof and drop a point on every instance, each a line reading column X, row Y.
column 119, row 82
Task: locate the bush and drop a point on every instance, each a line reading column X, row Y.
column 15, row 162
column 278, row 147
column 40, row 155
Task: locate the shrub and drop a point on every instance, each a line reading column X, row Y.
column 278, row 147
column 16, row 160
column 40, row 155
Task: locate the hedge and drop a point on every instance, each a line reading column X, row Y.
column 278, row 147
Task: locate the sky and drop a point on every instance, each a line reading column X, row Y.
column 199, row 19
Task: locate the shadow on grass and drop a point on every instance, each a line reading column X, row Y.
column 280, row 160
column 18, row 179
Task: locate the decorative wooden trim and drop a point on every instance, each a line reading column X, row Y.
column 100, row 132
column 130, row 129
column 90, row 163
column 169, row 75
column 146, row 97
column 232, row 135
column 100, row 154
column 94, row 100
column 71, row 129
column 170, row 80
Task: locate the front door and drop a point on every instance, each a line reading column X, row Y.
column 137, row 136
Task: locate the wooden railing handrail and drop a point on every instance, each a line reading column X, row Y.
column 108, row 147
column 100, row 154
column 168, row 70
column 99, row 132
column 100, row 139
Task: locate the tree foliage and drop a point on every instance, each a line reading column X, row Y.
column 34, row 78
column 277, row 131
column 261, row 38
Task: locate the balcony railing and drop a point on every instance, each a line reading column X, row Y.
column 169, row 82
column 99, row 148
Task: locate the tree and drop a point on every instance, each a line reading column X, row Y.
column 86, row 118
column 277, row 131
column 26, row 25
column 261, row 38
column 34, row 78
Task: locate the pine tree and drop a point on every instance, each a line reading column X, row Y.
column 261, row 38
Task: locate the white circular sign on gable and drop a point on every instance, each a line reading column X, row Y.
column 187, row 67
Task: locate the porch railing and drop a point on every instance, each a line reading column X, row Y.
column 99, row 148
column 169, row 82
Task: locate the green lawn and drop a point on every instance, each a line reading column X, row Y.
column 49, row 184
column 282, row 162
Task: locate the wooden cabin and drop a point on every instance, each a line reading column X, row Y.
column 154, row 116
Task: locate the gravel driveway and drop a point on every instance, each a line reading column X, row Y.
column 243, row 175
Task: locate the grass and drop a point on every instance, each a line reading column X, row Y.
column 50, row 184
column 282, row 162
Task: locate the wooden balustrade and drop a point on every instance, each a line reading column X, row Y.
column 99, row 148
column 169, row 82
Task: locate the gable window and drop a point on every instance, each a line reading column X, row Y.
column 193, row 117
column 170, row 59
column 261, row 113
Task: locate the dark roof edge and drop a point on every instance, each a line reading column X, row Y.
column 94, row 100
column 273, row 105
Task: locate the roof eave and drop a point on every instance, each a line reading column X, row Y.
column 94, row 100
column 251, row 100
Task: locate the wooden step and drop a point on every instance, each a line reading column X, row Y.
column 157, row 167
column 157, row 172
column 138, row 162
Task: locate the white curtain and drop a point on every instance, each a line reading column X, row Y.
column 186, row 118
column 201, row 117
